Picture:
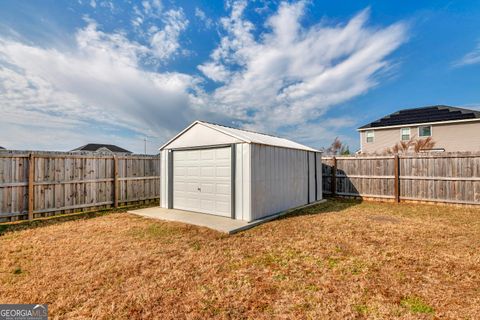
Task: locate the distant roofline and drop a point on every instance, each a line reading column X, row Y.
column 102, row 145
column 369, row 126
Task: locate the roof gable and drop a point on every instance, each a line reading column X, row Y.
column 230, row 135
column 199, row 135
column 424, row 115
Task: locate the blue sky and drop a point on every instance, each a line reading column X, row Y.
column 116, row 72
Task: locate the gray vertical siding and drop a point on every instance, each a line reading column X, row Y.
column 280, row 179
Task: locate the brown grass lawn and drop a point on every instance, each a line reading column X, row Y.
column 338, row 260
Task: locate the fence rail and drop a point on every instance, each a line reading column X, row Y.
column 448, row 177
column 35, row 185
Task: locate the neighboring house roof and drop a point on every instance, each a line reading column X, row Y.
column 428, row 114
column 246, row 136
column 96, row 147
column 2, row 148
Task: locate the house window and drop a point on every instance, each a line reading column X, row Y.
column 425, row 131
column 405, row 132
column 370, row 136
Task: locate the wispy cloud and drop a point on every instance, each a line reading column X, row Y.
column 472, row 57
column 292, row 75
column 165, row 42
column 200, row 14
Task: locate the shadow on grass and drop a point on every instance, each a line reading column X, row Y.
column 331, row 205
column 42, row 222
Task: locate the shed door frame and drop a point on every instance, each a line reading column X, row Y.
column 170, row 159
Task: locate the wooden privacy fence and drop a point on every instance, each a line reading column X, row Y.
column 448, row 177
column 43, row 184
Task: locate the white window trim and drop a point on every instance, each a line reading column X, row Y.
column 431, row 131
column 373, row 136
column 409, row 133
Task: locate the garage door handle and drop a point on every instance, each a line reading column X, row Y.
column 199, row 189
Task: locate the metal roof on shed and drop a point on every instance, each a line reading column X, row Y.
column 247, row 137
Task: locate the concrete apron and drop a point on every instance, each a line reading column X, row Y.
column 218, row 223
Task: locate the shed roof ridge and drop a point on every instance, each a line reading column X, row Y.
column 251, row 131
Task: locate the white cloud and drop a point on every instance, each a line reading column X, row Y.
column 215, row 71
column 154, row 7
column 165, row 42
column 291, row 75
column 93, row 90
column 472, row 57
column 93, row 3
column 200, row 14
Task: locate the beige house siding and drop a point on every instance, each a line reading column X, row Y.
column 460, row 136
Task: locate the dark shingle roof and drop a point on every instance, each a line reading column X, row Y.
column 424, row 115
column 2, row 148
column 96, row 146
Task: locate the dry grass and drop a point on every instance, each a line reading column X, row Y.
column 341, row 260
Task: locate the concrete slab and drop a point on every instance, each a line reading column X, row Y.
column 218, row 223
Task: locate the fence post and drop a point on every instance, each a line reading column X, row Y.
column 115, row 182
column 396, row 169
column 334, row 177
column 31, row 180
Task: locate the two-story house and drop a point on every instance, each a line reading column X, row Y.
column 451, row 128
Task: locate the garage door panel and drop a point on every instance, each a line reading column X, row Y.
column 193, row 172
column 192, row 155
column 180, row 156
column 192, row 187
column 223, row 189
column 207, row 188
column 223, row 153
column 179, row 186
column 202, row 181
column 207, row 172
column 223, row 172
column 181, row 171
column 223, row 207
column 222, row 198
column 207, row 205
column 208, row 154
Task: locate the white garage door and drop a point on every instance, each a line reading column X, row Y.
column 202, row 180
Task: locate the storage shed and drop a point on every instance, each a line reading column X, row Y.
column 244, row 175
